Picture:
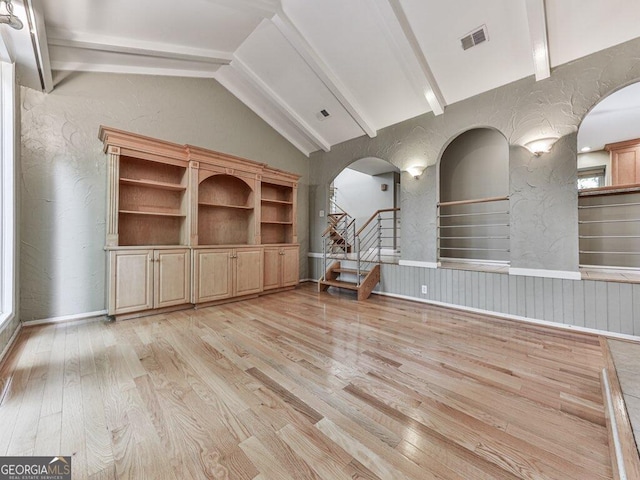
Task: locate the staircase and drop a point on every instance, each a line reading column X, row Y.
column 338, row 232
column 365, row 247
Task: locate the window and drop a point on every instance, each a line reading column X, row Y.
column 592, row 177
column 7, row 192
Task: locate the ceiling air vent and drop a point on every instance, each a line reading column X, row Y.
column 323, row 114
column 472, row 39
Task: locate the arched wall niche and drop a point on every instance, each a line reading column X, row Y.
column 608, row 164
column 473, row 210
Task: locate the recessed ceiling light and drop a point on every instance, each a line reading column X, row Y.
column 585, row 149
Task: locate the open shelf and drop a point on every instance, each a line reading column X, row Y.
column 277, row 202
column 153, row 184
column 276, row 193
column 218, row 205
column 276, row 232
column 149, row 172
column 138, row 228
column 156, row 214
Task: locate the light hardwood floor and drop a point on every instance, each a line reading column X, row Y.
column 299, row 385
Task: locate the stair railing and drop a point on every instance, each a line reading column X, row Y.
column 339, row 236
column 378, row 238
column 381, row 232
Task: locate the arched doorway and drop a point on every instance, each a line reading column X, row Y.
column 609, row 182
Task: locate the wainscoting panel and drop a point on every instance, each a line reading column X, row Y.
column 608, row 306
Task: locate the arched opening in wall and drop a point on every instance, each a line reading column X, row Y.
column 473, row 211
column 609, row 183
column 364, row 199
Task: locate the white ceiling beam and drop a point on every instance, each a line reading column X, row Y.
column 231, row 79
column 279, row 103
column 537, row 18
column 288, row 29
column 432, row 94
column 144, row 49
column 130, row 69
column 35, row 20
column 263, row 8
column 401, row 49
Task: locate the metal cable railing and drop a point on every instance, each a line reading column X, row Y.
column 474, row 230
column 376, row 240
column 609, row 227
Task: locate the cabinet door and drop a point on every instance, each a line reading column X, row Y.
column 172, row 277
column 625, row 166
column 248, row 271
column 131, row 281
column 212, row 275
column 290, row 266
column 272, row 268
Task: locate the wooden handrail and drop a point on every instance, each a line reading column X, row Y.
column 374, row 216
column 469, row 202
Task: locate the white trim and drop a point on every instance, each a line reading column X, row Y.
column 622, row 474
column 8, row 201
column 507, row 316
column 601, row 268
column 432, row 93
column 279, row 103
column 414, row 263
column 133, row 69
column 11, row 341
column 322, row 70
column 144, row 49
column 535, row 272
column 65, row 318
column 536, row 17
column 464, row 261
column 312, row 280
column 315, row 255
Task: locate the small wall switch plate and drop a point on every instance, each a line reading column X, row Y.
column 424, row 289
column 321, row 213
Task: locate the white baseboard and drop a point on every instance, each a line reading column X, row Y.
column 315, row 255
column 546, row 323
column 414, row 263
column 535, row 272
column 10, row 343
column 65, row 318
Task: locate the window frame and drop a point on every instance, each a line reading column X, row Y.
column 8, row 199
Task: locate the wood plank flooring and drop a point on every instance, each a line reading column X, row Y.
column 301, row 385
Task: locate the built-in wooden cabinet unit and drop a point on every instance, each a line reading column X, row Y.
column 625, row 162
column 281, row 266
column 146, row 279
column 221, row 273
column 186, row 225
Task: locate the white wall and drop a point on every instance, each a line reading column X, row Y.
column 360, row 195
column 596, row 159
column 64, row 171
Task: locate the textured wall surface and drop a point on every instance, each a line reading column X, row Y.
column 543, row 196
column 522, row 111
column 64, row 171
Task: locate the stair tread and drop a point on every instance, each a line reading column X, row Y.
column 350, row 270
column 340, row 284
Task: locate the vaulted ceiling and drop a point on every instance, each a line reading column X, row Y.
column 367, row 64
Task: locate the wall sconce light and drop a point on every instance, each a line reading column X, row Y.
column 540, row 146
column 9, row 17
column 416, row 170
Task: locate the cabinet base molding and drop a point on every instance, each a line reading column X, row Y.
column 159, row 311
column 155, row 311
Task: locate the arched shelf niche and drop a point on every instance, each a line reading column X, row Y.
column 225, row 211
column 474, row 208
